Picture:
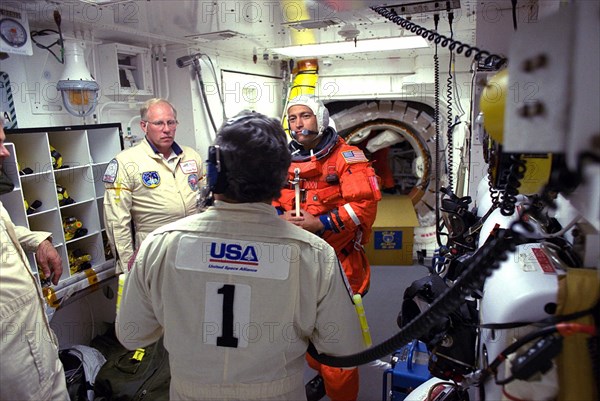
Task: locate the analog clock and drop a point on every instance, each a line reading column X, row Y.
column 13, row 32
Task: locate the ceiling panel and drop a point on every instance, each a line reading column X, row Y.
column 241, row 28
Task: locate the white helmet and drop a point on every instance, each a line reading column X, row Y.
column 317, row 107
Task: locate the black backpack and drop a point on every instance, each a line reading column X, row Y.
column 133, row 375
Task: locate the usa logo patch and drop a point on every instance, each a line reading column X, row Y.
column 151, row 179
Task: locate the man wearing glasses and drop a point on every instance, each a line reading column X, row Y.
column 151, row 184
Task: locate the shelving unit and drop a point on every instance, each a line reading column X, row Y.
column 86, row 151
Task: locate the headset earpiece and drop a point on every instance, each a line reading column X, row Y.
column 215, row 171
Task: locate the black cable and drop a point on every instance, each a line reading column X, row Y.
column 449, row 112
column 436, row 118
column 60, row 41
column 45, row 32
column 514, row 13
column 435, row 37
column 470, row 123
column 513, row 177
column 478, row 268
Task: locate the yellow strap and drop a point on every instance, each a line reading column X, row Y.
column 362, row 317
column 578, row 290
column 138, row 355
column 91, row 276
column 50, row 297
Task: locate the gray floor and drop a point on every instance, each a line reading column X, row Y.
column 382, row 304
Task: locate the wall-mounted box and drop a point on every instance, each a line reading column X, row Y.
column 126, row 71
column 392, row 239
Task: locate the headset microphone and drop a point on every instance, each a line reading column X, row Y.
column 184, row 61
column 305, row 132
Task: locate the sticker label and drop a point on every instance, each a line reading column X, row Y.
column 543, row 260
column 387, row 240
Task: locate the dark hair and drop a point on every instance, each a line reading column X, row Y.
column 255, row 155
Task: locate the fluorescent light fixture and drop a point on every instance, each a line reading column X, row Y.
column 348, row 47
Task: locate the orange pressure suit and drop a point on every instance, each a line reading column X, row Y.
column 337, row 184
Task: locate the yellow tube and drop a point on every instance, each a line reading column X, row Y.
column 305, row 72
column 305, row 79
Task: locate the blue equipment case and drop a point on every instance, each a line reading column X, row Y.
column 409, row 370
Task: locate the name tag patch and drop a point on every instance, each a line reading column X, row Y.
column 189, row 166
column 227, row 256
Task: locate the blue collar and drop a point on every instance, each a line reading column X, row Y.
column 176, row 148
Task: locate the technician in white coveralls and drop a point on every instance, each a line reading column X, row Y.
column 29, row 365
column 237, row 291
column 151, row 184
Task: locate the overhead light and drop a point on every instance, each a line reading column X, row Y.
column 349, row 47
column 79, row 90
column 312, row 24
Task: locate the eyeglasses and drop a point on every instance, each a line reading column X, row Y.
column 161, row 124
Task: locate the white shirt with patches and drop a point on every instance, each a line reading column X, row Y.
column 237, row 293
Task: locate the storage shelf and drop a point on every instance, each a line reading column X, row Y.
column 78, row 239
column 86, row 150
column 42, row 213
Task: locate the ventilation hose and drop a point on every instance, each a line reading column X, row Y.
column 304, row 83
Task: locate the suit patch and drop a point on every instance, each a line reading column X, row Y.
column 235, row 257
column 354, row 156
column 151, row 179
column 193, row 182
column 110, row 174
column 189, row 166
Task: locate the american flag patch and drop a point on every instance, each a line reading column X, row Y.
column 354, row 156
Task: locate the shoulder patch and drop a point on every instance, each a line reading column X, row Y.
column 354, row 156
column 110, row 174
column 151, row 179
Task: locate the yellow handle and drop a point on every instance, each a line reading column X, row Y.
column 362, row 317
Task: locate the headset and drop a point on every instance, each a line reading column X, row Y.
column 215, row 178
column 215, row 171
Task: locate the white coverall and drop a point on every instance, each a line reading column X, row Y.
column 29, row 365
column 141, row 186
column 237, row 292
